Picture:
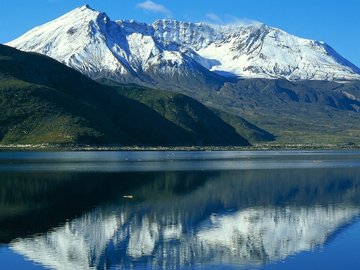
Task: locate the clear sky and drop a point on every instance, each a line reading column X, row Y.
column 337, row 22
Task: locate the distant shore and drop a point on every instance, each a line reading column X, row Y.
column 256, row 147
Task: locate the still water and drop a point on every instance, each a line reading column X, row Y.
column 180, row 210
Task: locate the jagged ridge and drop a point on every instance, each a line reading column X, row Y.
column 90, row 42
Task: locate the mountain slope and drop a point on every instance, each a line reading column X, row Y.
column 258, row 51
column 43, row 101
column 244, row 128
column 296, row 112
column 90, row 42
column 175, row 107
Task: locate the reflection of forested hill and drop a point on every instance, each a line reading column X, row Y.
column 35, row 202
column 178, row 219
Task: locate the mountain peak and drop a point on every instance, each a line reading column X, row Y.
column 85, row 7
column 241, row 50
column 84, row 13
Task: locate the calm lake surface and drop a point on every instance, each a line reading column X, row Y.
column 180, row 210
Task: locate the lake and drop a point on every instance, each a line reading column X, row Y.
column 180, row 210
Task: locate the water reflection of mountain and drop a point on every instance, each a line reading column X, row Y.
column 182, row 218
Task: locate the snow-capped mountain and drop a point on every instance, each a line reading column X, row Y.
column 90, row 42
column 258, row 51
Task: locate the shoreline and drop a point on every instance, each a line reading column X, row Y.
column 256, row 147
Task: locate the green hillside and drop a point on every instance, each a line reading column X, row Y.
column 43, row 101
column 244, row 128
column 177, row 108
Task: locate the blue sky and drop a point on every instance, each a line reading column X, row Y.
column 335, row 22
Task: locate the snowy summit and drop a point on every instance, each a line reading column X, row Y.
column 90, row 42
